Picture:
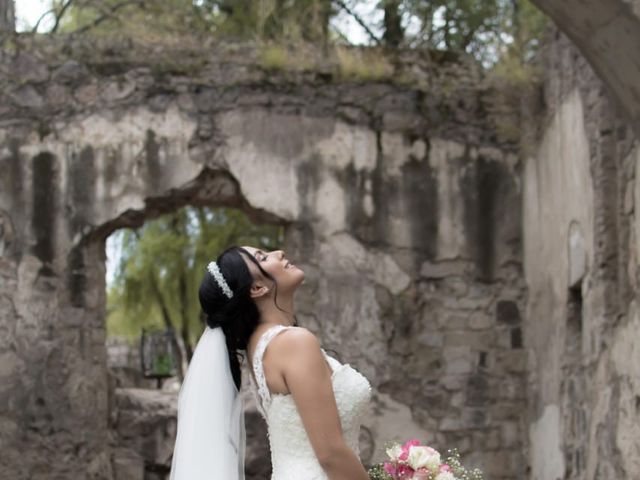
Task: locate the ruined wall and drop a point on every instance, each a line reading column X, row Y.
column 400, row 202
column 579, row 197
column 607, row 33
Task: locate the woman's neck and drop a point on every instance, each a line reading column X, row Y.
column 273, row 315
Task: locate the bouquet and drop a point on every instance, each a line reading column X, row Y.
column 413, row 461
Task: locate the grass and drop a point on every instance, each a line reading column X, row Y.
column 343, row 63
column 363, row 64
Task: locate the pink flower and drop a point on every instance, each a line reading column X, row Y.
column 390, row 468
column 444, row 468
column 405, row 449
column 404, row 472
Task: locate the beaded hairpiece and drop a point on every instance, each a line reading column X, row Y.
column 217, row 274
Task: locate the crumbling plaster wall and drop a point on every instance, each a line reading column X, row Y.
column 400, row 204
column 607, row 33
column 580, row 254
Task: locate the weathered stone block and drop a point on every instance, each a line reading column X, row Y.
column 477, row 391
column 458, row 360
column 507, row 312
column 27, row 96
column 453, row 382
column 451, row 423
column 501, row 464
column 430, row 339
column 510, row 434
column 118, row 90
column 444, row 269
column 480, row 321
column 70, row 73
column 475, row 418
column 128, row 465
column 476, row 340
column 514, row 361
column 29, row 68
column 452, row 322
column 146, row 423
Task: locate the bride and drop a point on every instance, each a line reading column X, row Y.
column 312, row 404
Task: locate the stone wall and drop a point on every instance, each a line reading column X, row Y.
column 606, row 33
column 400, row 202
column 581, row 272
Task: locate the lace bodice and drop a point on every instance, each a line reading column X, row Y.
column 292, row 456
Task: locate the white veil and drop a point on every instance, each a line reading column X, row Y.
column 211, row 437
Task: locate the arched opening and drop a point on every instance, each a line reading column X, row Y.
column 197, row 222
column 154, row 322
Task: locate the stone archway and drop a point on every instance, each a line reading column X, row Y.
column 607, row 32
column 79, row 192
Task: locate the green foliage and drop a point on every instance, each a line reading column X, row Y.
column 452, row 458
column 275, row 57
column 363, row 64
column 300, row 20
column 156, row 20
column 148, row 20
column 486, row 29
column 162, row 365
column 376, row 472
column 343, row 62
column 164, row 252
column 493, row 31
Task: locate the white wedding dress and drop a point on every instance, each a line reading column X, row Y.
column 292, row 456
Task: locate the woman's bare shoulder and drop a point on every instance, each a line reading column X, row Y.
column 295, row 338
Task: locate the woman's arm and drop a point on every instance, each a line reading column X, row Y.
column 306, row 373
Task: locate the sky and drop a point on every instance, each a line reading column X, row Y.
column 29, row 11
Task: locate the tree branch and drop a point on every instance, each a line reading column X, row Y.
column 108, row 15
column 357, row 18
column 35, row 28
column 60, row 14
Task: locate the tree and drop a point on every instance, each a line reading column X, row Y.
column 487, row 29
column 7, row 16
column 306, row 20
column 393, row 30
column 162, row 264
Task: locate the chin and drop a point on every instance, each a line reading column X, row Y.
column 299, row 278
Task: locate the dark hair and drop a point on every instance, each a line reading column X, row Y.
column 238, row 316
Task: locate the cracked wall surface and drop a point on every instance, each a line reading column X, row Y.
column 607, row 32
column 580, row 198
column 399, row 202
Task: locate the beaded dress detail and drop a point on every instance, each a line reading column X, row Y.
column 292, row 456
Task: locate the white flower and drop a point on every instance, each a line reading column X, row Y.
column 420, row 456
column 445, row 476
column 394, row 452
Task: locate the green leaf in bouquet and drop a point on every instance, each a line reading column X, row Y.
column 377, row 472
column 452, row 458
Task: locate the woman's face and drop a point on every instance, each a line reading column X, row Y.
column 278, row 265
